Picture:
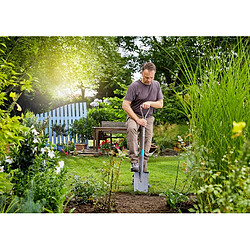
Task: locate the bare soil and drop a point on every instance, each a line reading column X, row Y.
column 132, row 203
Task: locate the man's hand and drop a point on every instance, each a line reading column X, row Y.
column 142, row 122
column 146, row 105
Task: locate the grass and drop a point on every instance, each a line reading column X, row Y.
column 162, row 172
column 218, row 94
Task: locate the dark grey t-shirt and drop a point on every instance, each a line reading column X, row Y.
column 139, row 93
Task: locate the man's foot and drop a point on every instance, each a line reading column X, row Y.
column 134, row 167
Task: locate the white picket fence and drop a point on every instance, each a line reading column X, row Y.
column 66, row 114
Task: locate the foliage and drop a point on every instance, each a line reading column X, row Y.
column 50, row 186
column 59, row 129
column 86, row 190
column 174, row 198
column 10, row 126
column 36, row 167
column 218, row 95
column 83, row 128
column 70, row 146
column 111, row 176
column 31, row 120
column 64, row 65
column 108, row 110
column 166, row 135
column 226, row 191
column 25, row 204
column 8, row 203
column 105, row 146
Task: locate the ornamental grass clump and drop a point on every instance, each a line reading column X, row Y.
column 218, row 106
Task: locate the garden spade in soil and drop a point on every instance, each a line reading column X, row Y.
column 141, row 177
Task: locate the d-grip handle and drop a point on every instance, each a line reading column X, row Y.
column 142, row 112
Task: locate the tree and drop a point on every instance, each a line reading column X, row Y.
column 166, row 53
column 10, row 126
column 61, row 63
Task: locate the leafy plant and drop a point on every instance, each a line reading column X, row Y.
column 86, row 190
column 59, row 129
column 10, row 125
column 108, row 110
column 111, row 177
column 83, row 128
column 174, row 198
column 165, row 135
column 34, row 165
column 105, row 146
column 70, row 146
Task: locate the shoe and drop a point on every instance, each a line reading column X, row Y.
column 134, row 167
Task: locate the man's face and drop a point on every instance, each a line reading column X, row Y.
column 148, row 76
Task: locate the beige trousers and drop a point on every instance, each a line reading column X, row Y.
column 132, row 140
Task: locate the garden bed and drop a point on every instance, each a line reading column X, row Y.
column 132, row 203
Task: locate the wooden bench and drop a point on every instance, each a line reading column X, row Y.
column 108, row 127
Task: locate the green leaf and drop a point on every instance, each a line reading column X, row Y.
column 4, row 45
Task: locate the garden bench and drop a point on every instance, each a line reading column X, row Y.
column 108, row 127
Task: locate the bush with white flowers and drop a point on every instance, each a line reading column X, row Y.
column 35, row 161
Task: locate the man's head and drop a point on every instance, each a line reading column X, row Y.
column 148, row 73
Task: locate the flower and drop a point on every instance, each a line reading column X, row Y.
column 61, row 165
column 51, row 154
column 1, row 169
column 176, row 149
column 34, row 150
column 43, row 150
column 180, row 139
column 62, row 150
column 34, row 131
column 237, row 128
column 8, row 160
column 35, row 141
column 107, row 101
column 97, row 100
column 94, row 104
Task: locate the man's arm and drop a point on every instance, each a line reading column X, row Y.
column 158, row 104
column 127, row 108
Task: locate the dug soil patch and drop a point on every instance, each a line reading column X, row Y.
column 132, row 203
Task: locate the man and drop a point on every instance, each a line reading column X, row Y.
column 145, row 92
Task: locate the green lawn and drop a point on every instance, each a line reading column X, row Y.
column 162, row 171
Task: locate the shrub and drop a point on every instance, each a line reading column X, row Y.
column 111, row 178
column 166, row 135
column 86, row 190
column 33, row 165
column 83, row 128
column 108, row 110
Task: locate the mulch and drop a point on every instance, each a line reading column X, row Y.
column 133, row 203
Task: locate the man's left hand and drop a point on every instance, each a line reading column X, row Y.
column 146, row 105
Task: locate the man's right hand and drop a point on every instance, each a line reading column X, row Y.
column 142, row 122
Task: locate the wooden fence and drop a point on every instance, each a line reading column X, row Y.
column 63, row 115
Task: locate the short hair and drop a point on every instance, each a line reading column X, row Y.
column 149, row 66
